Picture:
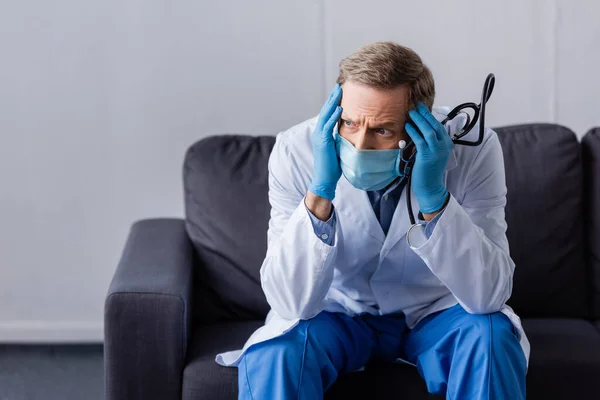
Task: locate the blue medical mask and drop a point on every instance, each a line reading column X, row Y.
column 367, row 169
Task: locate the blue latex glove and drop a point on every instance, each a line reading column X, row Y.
column 326, row 162
column 433, row 152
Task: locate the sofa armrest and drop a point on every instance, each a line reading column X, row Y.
column 147, row 313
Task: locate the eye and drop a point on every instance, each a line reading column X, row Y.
column 381, row 131
column 347, row 123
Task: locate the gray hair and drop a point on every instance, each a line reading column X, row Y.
column 387, row 65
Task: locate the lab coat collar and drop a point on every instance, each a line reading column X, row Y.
column 354, row 205
column 440, row 113
column 452, row 161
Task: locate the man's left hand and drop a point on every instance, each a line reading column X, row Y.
column 433, row 151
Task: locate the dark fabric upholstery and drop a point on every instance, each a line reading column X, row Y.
column 147, row 313
column 147, row 310
column 544, row 213
column 565, row 359
column 547, row 283
column 203, row 378
column 591, row 161
column 227, row 213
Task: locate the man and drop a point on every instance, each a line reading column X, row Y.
column 349, row 279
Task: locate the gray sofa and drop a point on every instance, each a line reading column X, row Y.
column 185, row 290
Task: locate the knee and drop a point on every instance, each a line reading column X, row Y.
column 284, row 350
column 490, row 332
column 288, row 349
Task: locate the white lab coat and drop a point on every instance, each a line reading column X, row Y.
column 465, row 261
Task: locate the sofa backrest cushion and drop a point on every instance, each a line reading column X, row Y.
column 227, row 213
column 544, row 213
column 591, row 164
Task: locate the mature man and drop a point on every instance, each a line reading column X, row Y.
column 349, row 279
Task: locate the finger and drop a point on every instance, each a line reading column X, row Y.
column 432, row 121
column 328, row 129
column 426, row 130
column 330, row 105
column 416, row 137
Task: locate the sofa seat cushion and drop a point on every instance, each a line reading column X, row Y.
column 204, row 379
column 565, row 359
column 564, row 364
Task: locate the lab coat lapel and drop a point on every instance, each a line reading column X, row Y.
column 400, row 221
column 355, row 206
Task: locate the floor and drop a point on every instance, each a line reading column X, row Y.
column 51, row 372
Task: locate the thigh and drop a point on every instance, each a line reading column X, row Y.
column 463, row 354
column 333, row 343
column 342, row 341
column 306, row 361
column 444, row 329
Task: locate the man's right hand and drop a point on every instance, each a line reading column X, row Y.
column 327, row 170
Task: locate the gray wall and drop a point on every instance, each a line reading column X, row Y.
column 100, row 99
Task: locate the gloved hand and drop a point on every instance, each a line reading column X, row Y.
column 433, row 152
column 327, row 170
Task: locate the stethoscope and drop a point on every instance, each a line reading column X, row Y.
column 478, row 113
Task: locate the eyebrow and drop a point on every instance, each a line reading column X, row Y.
column 382, row 124
column 387, row 123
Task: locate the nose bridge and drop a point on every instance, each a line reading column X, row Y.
column 361, row 139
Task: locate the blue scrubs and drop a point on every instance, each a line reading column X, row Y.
column 459, row 355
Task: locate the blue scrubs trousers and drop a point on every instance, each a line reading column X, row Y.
column 459, row 355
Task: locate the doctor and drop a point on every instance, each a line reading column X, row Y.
column 348, row 278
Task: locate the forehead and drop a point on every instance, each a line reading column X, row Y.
column 360, row 101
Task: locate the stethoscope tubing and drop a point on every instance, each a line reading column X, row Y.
column 478, row 115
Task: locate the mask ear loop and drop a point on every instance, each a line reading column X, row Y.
column 406, row 165
column 406, row 162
